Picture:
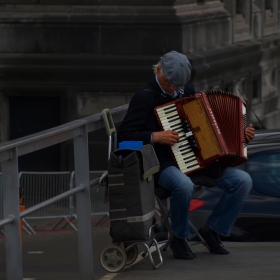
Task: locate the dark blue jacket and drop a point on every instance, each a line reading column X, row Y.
column 140, row 120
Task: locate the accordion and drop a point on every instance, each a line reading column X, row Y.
column 211, row 126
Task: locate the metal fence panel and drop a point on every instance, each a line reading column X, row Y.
column 40, row 186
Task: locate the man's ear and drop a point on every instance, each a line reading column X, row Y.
column 158, row 70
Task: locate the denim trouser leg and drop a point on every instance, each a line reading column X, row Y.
column 182, row 189
column 237, row 185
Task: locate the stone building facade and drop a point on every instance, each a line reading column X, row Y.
column 65, row 59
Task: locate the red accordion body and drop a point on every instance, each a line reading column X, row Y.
column 211, row 126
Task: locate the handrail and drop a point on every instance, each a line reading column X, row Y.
column 10, row 151
column 58, row 134
column 8, row 220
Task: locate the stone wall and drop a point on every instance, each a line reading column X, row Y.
column 94, row 54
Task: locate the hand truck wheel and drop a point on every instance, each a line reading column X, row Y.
column 113, row 258
column 131, row 254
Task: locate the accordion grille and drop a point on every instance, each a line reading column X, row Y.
column 202, row 128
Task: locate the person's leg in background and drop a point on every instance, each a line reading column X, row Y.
column 236, row 184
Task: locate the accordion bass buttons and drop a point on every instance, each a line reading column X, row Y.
column 189, row 134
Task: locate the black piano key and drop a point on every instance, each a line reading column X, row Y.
column 172, row 118
column 188, row 161
column 188, row 157
column 186, row 152
column 169, row 110
column 193, row 165
column 175, row 126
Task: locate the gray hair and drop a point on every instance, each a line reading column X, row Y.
column 155, row 66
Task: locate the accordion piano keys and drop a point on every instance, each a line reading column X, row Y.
column 182, row 150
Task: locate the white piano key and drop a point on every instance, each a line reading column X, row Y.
column 188, row 169
column 186, row 158
column 182, row 164
column 183, row 156
column 180, row 156
column 173, row 122
column 166, row 107
column 168, row 114
column 181, row 147
column 189, row 166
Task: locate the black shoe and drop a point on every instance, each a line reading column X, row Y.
column 213, row 241
column 181, row 249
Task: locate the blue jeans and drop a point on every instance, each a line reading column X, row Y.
column 235, row 183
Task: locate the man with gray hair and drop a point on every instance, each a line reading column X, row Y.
column 172, row 73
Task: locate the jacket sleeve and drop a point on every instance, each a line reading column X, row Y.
column 139, row 114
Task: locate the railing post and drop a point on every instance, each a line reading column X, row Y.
column 83, row 204
column 10, row 182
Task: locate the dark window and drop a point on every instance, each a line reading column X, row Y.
column 269, row 5
column 256, row 87
column 28, row 115
column 239, row 6
column 264, row 168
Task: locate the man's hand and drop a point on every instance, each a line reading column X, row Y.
column 249, row 133
column 168, row 137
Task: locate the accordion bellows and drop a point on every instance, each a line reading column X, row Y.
column 131, row 193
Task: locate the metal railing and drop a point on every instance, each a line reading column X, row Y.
column 10, row 151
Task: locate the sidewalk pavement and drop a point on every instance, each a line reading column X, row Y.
column 53, row 255
column 245, row 262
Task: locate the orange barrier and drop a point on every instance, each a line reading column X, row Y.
column 21, row 208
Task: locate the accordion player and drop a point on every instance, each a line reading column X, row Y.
column 211, row 126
